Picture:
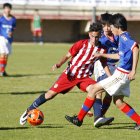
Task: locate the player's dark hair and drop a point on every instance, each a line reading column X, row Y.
column 97, row 27
column 7, row 5
column 105, row 18
column 119, row 21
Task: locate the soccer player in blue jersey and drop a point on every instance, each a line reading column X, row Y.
column 111, row 43
column 116, row 85
column 7, row 26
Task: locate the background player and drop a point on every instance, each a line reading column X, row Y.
column 116, row 85
column 36, row 28
column 79, row 70
column 7, row 26
column 111, row 43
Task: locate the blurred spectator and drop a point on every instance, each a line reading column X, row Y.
column 36, row 28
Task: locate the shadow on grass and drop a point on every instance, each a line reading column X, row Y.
column 29, row 75
column 12, row 128
column 120, row 126
column 50, row 126
column 24, row 93
column 30, row 127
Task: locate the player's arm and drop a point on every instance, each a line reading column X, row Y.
column 32, row 28
column 62, row 61
column 71, row 53
column 10, row 33
column 131, row 75
column 105, row 66
column 111, row 56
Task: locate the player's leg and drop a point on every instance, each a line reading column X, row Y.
column 106, row 103
column 35, row 36
column 100, row 107
column 107, row 99
column 3, row 63
column 39, row 101
column 127, row 109
column 107, row 84
column 5, row 50
column 61, row 85
column 88, row 103
column 40, row 37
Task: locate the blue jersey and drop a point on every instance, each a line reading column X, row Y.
column 7, row 26
column 111, row 46
column 126, row 45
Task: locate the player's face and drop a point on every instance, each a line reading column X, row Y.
column 94, row 38
column 7, row 11
column 114, row 30
column 107, row 29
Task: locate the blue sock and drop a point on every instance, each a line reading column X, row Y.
column 39, row 101
column 34, row 39
column 41, row 39
column 106, row 104
column 97, row 107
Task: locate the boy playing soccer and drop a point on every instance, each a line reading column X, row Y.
column 111, row 43
column 7, row 26
column 116, row 85
column 79, row 70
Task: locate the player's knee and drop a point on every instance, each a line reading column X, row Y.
column 118, row 102
column 99, row 95
column 50, row 94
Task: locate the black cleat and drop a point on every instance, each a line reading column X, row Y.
column 5, row 74
column 137, row 127
column 103, row 121
column 74, row 120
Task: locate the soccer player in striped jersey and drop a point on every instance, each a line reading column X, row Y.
column 36, row 28
column 111, row 43
column 116, row 85
column 7, row 27
column 79, row 70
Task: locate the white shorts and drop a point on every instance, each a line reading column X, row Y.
column 5, row 46
column 117, row 84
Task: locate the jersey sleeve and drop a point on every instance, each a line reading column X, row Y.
column 14, row 24
column 75, row 48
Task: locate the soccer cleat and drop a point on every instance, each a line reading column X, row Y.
column 74, row 120
column 89, row 114
column 5, row 73
column 137, row 127
column 23, row 118
column 103, row 121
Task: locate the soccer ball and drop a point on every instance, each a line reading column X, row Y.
column 35, row 117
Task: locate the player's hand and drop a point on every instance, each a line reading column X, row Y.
column 131, row 75
column 55, row 66
column 10, row 34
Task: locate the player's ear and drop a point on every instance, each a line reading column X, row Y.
column 89, row 34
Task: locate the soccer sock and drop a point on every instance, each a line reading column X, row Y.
column 3, row 62
column 106, row 104
column 130, row 112
column 34, row 39
column 39, row 101
column 85, row 108
column 97, row 108
column 41, row 39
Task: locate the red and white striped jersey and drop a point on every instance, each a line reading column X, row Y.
column 82, row 62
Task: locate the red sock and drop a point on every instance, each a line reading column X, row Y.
column 85, row 108
column 3, row 63
column 130, row 112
